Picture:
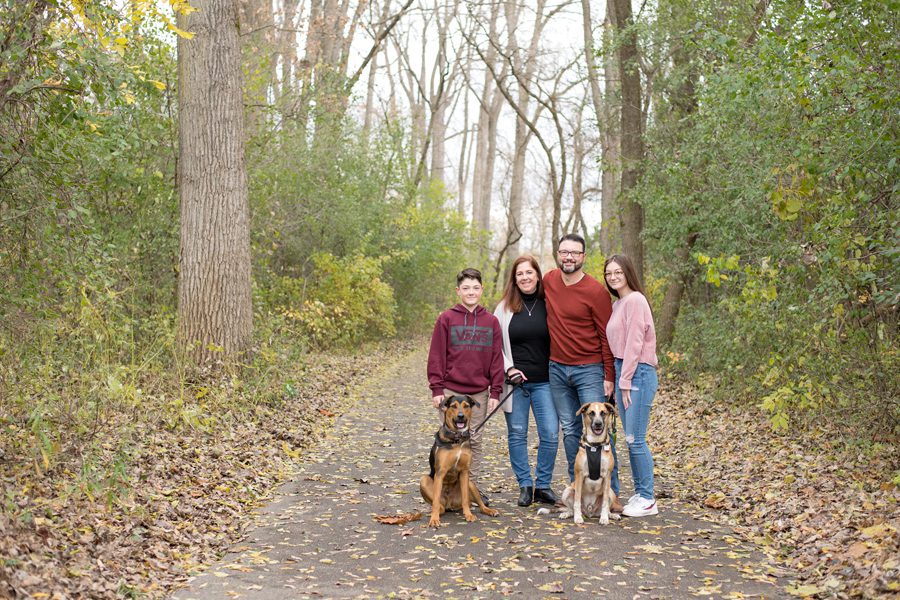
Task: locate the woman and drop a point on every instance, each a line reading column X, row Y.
column 632, row 339
column 526, row 354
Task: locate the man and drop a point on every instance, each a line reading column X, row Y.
column 581, row 364
column 466, row 357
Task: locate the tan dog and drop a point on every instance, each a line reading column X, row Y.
column 590, row 494
column 448, row 486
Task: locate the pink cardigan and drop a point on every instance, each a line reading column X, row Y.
column 631, row 335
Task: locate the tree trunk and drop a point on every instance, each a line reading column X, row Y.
column 486, row 141
column 463, row 170
column 632, row 137
column 214, row 305
column 610, row 228
column 603, row 114
column 684, row 103
column 258, row 49
column 671, row 305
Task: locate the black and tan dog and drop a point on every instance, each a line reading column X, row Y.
column 448, row 486
column 590, row 495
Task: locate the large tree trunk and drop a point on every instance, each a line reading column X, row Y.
column 632, row 137
column 214, row 307
column 610, row 230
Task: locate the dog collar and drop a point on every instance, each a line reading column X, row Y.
column 446, row 437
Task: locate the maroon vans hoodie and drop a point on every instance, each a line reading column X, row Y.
column 466, row 352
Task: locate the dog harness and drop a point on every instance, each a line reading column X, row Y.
column 449, row 439
column 594, row 457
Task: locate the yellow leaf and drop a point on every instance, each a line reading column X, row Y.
column 878, row 530
column 180, row 32
column 159, row 84
column 804, row 590
column 295, row 454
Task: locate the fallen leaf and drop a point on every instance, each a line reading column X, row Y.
column 398, row 519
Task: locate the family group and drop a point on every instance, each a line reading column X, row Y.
column 563, row 342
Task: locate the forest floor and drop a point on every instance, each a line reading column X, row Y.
column 744, row 512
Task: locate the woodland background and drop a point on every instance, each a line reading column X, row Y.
column 198, row 202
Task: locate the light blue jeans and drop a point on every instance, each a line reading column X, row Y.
column 535, row 396
column 634, row 423
column 572, row 386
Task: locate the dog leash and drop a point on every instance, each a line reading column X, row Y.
column 515, row 382
column 611, row 399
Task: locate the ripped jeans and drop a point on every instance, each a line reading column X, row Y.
column 634, row 424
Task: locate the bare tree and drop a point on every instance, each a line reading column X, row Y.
column 632, row 140
column 214, row 305
column 610, row 230
column 490, row 104
column 258, row 48
column 526, row 64
column 603, row 112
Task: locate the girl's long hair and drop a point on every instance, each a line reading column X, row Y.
column 512, row 297
column 631, row 277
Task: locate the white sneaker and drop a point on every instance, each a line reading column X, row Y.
column 641, row 508
column 633, row 499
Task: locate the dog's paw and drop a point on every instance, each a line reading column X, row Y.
column 604, row 519
column 615, row 516
column 470, row 517
column 434, row 523
column 565, row 514
column 579, row 519
column 543, row 511
column 491, row 512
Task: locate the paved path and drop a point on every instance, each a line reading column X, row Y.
column 319, row 539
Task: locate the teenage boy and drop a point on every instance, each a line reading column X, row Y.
column 581, row 363
column 466, row 357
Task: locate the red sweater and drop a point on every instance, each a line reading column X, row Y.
column 466, row 352
column 577, row 316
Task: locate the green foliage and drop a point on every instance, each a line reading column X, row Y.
column 787, row 170
column 346, row 301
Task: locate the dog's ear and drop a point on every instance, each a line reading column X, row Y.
column 472, row 401
column 613, row 409
column 448, row 401
column 583, row 408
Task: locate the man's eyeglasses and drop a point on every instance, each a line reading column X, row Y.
column 575, row 253
column 617, row 273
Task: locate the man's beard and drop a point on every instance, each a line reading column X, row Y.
column 569, row 267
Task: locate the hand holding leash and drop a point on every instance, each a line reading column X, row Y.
column 515, row 381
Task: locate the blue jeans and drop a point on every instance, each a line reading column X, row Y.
column 537, row 397
column 572, row 386
column 634, row 422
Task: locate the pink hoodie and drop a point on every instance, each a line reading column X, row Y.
column 631, row 335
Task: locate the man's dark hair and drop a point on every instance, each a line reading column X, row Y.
column 469, row 273
column 572, row 237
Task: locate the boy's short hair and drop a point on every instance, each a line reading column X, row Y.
column 469, row 273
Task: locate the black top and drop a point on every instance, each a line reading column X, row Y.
column 530, row 339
